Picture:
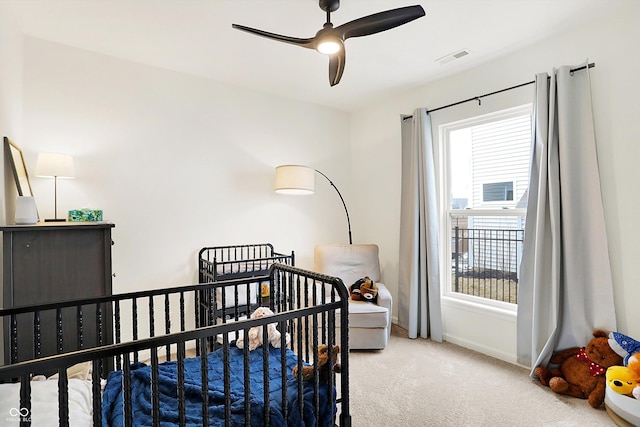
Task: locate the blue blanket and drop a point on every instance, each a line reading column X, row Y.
column 113, row 411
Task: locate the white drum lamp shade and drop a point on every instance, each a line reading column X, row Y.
column 295, row 179
column 55, row 165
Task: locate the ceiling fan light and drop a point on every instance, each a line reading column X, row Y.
column 329, row 46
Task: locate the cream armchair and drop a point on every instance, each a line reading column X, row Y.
column 369, row 324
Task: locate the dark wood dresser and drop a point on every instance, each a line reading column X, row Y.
column 51, row 262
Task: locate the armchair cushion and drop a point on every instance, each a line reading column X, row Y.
column 367, row 315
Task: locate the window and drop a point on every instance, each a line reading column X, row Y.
column 497, row 191
column 484, row 175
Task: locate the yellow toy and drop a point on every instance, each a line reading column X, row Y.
column 621, row 380
column 625, row 379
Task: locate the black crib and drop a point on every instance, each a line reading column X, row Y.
column 238, row 261
column 158, row 327
column 227, row 262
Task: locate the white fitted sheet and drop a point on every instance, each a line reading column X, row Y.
column 44, row 403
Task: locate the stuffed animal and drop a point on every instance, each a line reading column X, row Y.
column 581, row 371
column 622, row 380
column 634, row 368
column 256, row 333
column 324, row 369
column 364, row 289
column 626, row 379
column 623, row 345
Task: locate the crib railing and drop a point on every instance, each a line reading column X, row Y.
column 145, row 314
column 136, row 315
column 215, row 262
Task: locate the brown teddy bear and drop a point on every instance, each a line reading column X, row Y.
column 581, row 371
column 364, row 289
column 324, row 370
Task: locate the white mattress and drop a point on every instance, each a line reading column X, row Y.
column 44, row 403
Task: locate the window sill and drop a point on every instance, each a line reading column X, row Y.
column 508, row 313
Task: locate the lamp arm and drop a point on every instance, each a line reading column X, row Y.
column 343, row 203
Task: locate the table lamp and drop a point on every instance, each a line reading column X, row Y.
column 55, row 165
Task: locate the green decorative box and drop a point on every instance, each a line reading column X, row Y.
column 83, row 215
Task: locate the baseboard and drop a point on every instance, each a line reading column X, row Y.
column 489, row 351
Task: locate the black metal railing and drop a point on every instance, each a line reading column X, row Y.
column 485, row 262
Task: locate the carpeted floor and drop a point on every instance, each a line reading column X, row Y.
column 423, row 383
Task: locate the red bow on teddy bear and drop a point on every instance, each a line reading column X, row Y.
column 594, row 368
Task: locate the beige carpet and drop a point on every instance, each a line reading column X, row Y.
column 423, row 383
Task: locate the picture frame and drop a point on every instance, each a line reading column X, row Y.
column 18, row 168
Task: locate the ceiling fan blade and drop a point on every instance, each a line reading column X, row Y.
column 308, row 43
column 336, row 67
column 381, row 21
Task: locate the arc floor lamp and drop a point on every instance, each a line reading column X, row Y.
column 300, row 180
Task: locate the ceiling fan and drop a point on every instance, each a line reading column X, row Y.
column 330, row 40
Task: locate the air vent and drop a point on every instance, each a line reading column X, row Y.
column 452, row 56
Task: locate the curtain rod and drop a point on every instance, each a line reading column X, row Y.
column 478, row 98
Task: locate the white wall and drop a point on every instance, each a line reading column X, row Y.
column 375, row 137
column 178, row 162
column 10, row 98
column 10, row 113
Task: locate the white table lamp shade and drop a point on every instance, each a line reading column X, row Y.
column 295, row 179
column 55, row 165
column 26, row 211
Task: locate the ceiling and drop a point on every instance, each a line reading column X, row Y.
column 195, row 37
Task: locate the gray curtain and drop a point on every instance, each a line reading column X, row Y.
column 565, row 289
column 419, row 278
